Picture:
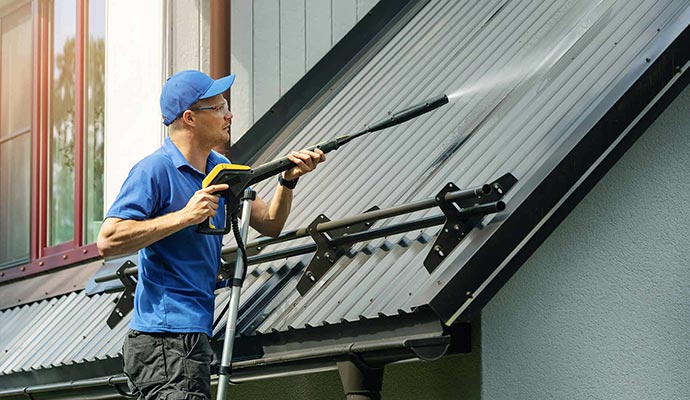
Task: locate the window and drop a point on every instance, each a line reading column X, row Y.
column 15, row 133
column 51, row 133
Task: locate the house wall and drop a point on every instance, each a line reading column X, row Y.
column 143, row 49
column 134, row 75
column 602, row 309
column 274, row 43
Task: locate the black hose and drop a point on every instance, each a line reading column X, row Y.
column 240, row 244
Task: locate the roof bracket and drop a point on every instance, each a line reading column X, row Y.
column 326, row 252
column 463, row 215
column 227, row 268
column 126, row 302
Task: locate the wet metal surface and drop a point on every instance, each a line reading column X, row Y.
column 529, row 79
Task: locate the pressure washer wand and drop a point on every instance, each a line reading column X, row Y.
column 269, row 169
column 239, row 177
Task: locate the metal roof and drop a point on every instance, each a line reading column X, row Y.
column 536, row 77
column 533, row 78
column 61, row 331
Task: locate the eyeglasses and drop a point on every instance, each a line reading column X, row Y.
column 222, row 107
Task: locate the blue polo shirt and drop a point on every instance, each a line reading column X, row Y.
column 177, row 274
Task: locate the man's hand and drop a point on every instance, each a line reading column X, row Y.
column 269, row 219
column 202, row 205
column 305, row 162
column 124, row 236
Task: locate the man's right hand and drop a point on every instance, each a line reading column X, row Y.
column 125, row 236
column 203, row 204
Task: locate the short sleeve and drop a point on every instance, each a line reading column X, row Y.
column 139, row 197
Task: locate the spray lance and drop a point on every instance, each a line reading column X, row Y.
column 239, row 177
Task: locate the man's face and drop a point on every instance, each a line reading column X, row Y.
column 213, row 120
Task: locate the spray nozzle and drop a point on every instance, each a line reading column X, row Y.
column 409, row 113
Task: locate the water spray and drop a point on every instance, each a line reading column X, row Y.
column 518, row 70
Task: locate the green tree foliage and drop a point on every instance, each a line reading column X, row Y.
column 95, row 107
column 63, row 135
column 62, row 146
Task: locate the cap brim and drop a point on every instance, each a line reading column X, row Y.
column 219, row 86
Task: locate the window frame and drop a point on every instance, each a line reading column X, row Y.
column 42, row 256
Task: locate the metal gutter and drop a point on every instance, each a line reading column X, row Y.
column 429, row 342
column 112, row 381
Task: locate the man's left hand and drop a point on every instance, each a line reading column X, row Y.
column 305, row 162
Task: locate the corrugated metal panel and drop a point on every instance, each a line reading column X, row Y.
column 61, row 331
column 72, row 329
column 536, row 76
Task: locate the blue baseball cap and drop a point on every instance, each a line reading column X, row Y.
column 186, row 88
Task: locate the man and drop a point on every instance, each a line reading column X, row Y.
column 167, row 352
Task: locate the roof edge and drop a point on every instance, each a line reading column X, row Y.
column 49, row 285
column 362, row 336
column 558, row 194
column 376, row 342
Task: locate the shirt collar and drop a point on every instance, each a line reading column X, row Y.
column 179, row 161
column 214, row 159
column 175, row 154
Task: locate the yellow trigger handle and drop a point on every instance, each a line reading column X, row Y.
column 215, row 176
column 222, row 173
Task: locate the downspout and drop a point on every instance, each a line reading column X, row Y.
column 360, row 382
column 220, row 50
column 166, row 50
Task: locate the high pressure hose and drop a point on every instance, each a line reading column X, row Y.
column 240, row 244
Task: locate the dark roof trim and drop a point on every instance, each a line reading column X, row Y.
column 47, row 377
column 375, row 342
column 374, row 30
column 109, row 387
column 370, row 338
column 45, row 286
column 568, row 183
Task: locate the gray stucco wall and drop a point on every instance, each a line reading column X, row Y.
column 602, row 309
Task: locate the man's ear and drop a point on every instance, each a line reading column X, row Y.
column 188, row 117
